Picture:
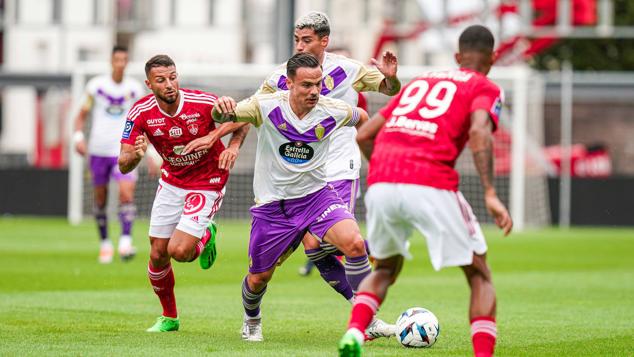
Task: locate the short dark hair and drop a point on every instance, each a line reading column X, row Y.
column 158, row 61
column 300, row 60
column 119, row 48
column 476, row 38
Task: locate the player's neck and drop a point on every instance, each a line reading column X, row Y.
column 117, row 77
column 299, row 111
column 169, row 108
column 476, row 67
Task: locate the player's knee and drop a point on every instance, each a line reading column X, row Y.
column 310, row 242
column 356, row 246
column 258, row 281
column 179, row 252
column 159, row 258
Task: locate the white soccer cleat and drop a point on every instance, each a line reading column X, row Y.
column 106, row 252
column 126, row 250
column 252, row 330
column 379, row 328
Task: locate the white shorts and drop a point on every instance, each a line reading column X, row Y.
column 188, row 211
column 443, row 217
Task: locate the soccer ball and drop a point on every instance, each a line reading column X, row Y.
column 417, row 327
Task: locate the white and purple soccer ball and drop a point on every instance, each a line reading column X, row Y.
column 417, row 327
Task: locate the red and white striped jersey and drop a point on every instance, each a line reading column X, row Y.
column 169, row 135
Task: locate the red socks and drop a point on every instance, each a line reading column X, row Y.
column 162, row 280
column 483, row 335
column 201, row 244
column 363, row 310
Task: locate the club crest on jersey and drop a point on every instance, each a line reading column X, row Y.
column 497, row 106
column 329, row 82
column 320, row 131
column 129, row 124
column 193, row 128
column 296, row 152
column 176, row 132
column 157, row 132
column 282, row 126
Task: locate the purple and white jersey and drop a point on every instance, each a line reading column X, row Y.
column 291, row 156
column 109, row 103
column 343, row 79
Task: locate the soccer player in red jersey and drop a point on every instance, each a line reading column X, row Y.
column 413, row 144
column 178, row 123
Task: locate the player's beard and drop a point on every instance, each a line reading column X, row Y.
column 168, row 100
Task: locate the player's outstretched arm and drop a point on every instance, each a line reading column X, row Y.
column 131, row 155
column 79, row 140
column 229, row 156
column 207, row 141
column 388, row 67
column 224, row 110
column 481, row 145
column 367, row 132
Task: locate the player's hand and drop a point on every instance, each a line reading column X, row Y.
column 225, row 105
column 140, row 146
column 499, row 213
column 227, row 158
column 80, row 147
column 202, row 143
column 388, row 64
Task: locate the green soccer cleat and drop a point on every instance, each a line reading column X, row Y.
column 349, row 346
column 208, row 255
column 165, row 324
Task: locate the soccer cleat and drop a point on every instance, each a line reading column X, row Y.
column 306, row 268
column 106, row 252
column 165, row 324
column 126, row 250
column 208, row 255
column 349, row 346
column 252, row 330
column 379, row 328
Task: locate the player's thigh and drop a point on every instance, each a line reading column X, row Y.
column 388, row 231
column 346, row 235
column 199, row 208
column 181, row 244
column 450, row 228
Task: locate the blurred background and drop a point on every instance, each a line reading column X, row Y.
column 564, row 154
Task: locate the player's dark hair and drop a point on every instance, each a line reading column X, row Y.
column 476, row 38
column 300, row 60
column 158, row 61
column 119, row 48
column 318, row 21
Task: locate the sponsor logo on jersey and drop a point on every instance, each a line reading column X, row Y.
column 195, row 219
column 176, row 132
column 296, row 152
column 214, row 180
column 331, row 209
column 115, row 110
column 194, row 202
column 497, row 107
column 411, row 126
column 185, row 160
column 190, row 117
column 129, row 124
column 155, row 122
column 193, row 129
column 157, row 132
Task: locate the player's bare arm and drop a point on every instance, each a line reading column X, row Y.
column 224, row 110
column 481, row 145
column 131, row 155
column 388, row 67
column 78, row 133
column 367, row 132
column 228, row 157
column 207, row 141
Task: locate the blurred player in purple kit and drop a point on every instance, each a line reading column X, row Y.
column 343, row 79
column 107, row 100
column 292, row 194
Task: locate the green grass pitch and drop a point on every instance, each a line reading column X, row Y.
column 560, row 293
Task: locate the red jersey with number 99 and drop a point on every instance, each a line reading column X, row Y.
column 427, row 126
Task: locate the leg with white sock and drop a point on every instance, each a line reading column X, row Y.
column 482, row 307
column 253, row 290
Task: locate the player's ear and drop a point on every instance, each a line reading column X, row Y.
column 289, row 82
column 147, row 84
column 325, row 41
column 458, row 57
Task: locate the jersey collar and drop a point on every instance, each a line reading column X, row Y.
column 180, row 105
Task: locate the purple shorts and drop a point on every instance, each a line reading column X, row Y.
column 347, row 191
column 278, row 227
column 104, row 167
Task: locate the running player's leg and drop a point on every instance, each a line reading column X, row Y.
column 330, row 268
column 100, row 171
column 482, row 307
column 127, row 214
column 162, row 280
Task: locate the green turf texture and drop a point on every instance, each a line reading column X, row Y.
column 560, row 293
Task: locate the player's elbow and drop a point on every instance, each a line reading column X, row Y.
column 123, row 167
